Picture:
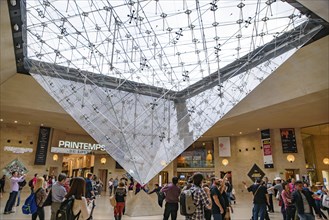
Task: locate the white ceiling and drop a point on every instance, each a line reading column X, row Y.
column 296, row 95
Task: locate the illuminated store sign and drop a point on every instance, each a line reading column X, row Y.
column 60, row 150
column 71, row 147
column 195, row 169
column 80, row 145
column 18, row 150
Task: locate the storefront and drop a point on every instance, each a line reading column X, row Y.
column 78, row 158
column 199, row 157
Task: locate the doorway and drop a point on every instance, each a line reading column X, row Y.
column 102, row 175
column 163, row 178
column 53, row 171
column 292, row 173
column 325, row 177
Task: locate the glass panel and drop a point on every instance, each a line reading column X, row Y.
column 148, row 78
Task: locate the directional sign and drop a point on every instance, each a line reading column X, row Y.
column 255, row 173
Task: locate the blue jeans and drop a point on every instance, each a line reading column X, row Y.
column 11, row 201
column 290, row 212
column 217, row 216
column 283, row 210
column 259, row 210
column 40, row 212
column 306, row 217
column 18, row 198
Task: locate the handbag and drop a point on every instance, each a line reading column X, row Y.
column 256, row 191
column 325, row 201
column 227, row 214
column 113, row 201
column 277, row 196
column 48, row 200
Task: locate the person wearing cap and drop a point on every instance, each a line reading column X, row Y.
column 318, row 200
column 303, row 201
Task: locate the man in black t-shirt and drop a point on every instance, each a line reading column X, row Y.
column 120, row 198
column 218, row 203
column 261, row 199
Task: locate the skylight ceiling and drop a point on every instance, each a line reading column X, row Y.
column 146, row 79
column 162, row 43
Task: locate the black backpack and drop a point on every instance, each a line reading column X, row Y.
column 21, row 184
column 31, row 183
column 65, row 211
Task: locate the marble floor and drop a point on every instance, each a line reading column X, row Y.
column 103, row 210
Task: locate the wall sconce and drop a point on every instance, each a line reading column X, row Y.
column 16, row 27
column 291, row 158
column 103, row 160
column 13, row 2
column 225, row 162
column 326, row 161
column 163, row 163
column 55, row 157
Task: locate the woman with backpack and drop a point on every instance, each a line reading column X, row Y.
column 82, row 207
column 40, row 198
column 120, row 197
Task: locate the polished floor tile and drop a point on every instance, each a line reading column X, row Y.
column 104, row 211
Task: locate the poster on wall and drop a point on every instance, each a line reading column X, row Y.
column 42, row 147
column 224, row 146
column 288, row 140
column 267, row 149
column 14, row 165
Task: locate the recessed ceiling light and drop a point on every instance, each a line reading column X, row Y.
column 258, row 129
column 1, row 119
column 240, row 132
column 29, row 123
column 15, row 121
column 41, row 124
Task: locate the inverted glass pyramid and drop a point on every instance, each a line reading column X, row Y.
column 148, row 78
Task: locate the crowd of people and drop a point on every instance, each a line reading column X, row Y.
column 296, row 199
column 212, row 199
column 56, row 190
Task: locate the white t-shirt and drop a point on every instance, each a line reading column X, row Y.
column 307, row 208
column 81, row 204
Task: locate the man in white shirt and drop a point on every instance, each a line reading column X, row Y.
column 14, row 187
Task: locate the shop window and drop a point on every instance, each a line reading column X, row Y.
column 198, row 155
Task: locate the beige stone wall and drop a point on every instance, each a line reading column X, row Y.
column 240, row 163
column 321, row 150
column 26, row 134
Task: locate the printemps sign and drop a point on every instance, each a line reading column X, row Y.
column 71, row 147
